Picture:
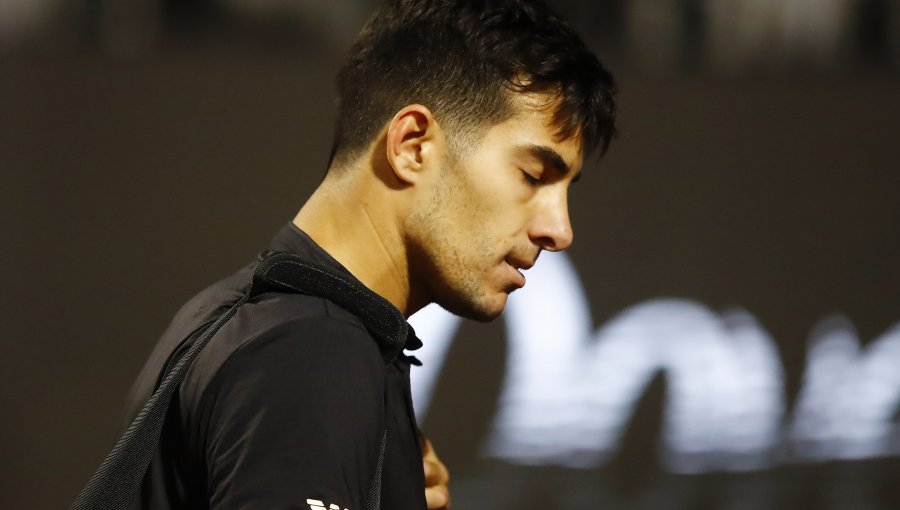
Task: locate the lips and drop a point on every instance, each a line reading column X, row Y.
column 517, row 265
column 520, row 262
column 518, row 279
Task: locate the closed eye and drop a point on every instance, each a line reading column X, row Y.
column 530, row 179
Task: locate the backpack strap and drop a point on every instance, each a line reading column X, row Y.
column 287, row 272
column 118, row 480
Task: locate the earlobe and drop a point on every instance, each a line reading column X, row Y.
column 410, row 139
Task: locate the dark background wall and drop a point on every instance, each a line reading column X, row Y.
column 132, row 180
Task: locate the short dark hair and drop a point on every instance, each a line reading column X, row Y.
column 461, row 59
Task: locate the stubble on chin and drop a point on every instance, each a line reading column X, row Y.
column 451, row 256
column 478, row 310
column 476, row 296
column 461, row 288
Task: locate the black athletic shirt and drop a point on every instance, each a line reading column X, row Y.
column 284, row 408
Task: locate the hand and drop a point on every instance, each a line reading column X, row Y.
column 437, row 496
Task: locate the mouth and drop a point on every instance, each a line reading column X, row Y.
column 516, row 266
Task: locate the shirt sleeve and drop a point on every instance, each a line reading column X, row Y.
column 296, row 414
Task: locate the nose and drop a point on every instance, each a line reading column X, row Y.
column 551, row 229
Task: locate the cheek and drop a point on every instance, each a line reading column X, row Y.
column 499, row 218
column 484, row 225
column 483, row 214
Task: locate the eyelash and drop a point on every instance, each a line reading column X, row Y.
column 530, row 179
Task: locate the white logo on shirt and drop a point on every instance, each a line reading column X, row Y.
column 315, row 504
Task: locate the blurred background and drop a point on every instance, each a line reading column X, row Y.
column 724, row 333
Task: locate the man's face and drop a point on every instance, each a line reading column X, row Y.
column 489, row 214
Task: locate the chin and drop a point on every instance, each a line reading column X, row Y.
column 481, row 308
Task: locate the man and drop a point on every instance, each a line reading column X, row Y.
column 461, row 126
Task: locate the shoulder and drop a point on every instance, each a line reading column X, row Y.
column 294, row 410
column 326, row 341
column 302, row 362
column 285, row 339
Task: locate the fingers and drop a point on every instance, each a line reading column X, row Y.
column 437, row 495
column 435, row 472
column 425, row 444
column 437, row 498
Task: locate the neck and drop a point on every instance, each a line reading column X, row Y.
column 356, row 223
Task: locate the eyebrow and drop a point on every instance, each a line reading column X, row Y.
column 551, row 159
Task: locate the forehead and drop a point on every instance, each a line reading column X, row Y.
column 531, row 125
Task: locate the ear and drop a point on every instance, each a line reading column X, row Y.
column 414, row 142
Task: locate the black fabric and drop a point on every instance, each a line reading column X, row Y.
column 115, row 483
column 287, row 271
column 288, row 402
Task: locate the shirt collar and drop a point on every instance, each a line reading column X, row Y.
column 294, row 240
